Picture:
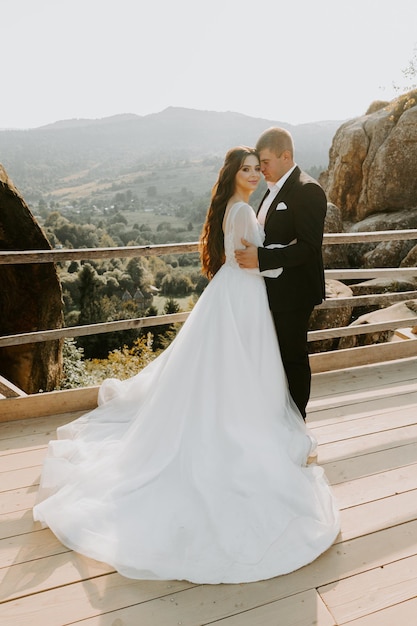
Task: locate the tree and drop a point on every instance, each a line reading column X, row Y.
column 164, row 333
column 118, row 219
column 115, row 309
column 90, row 309
column 176, row 285
column 74, row 372
column 171, row 306
column 53, row 218
column 170, row 330
column 409, row 73
column 201, row 284
column 122, row 363
column 74, row 266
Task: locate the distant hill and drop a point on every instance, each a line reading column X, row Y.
column 81, row 152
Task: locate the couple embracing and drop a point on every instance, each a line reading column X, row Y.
column 196, row 468
column 291, row 212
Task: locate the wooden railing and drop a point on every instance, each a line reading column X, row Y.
column 322, row 361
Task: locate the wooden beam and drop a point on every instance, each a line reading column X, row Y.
column 365, row 355
column 9, row 257
column 48, row 403
column 85, row 399
column 92, row 329
column 175, row 318
column 376, row 272
column 361, row 329
column 12, row 257
column 366, row 237
column 374, row 298
column 9, row 390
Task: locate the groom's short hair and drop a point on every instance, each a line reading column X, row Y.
column 276, row 140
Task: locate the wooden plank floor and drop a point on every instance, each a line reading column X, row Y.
column 366, row 422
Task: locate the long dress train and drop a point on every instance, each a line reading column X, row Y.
column 195, row 468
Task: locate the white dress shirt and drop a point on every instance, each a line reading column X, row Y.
column 273, row 191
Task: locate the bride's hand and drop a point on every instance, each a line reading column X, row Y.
column 247, row 258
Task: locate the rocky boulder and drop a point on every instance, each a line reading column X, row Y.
column 383, row 253
column 334, row 256
column 373, row 161
column 30, row 299
column 384, row 285
column 410, row 260
column 332, row 317
column 399, row 311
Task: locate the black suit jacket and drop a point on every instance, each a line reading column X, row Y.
column 301, row 284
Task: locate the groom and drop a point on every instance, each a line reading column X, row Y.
column 292, row 213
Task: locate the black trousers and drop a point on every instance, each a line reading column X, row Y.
column 291, row 327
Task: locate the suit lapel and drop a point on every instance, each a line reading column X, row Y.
column 282, row 193
column 267, row 192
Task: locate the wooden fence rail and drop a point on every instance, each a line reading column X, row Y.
column 12, row 257
column 328, row 360
column 175, row 318
column 65, row 255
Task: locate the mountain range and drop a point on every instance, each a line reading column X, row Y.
column 43, row 160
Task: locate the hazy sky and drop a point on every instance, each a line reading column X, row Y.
column 295, row 61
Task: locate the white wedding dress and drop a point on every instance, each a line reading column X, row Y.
column 195, row 468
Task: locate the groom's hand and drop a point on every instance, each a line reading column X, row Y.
column 247, row 258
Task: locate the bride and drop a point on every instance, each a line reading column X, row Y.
column 196, row 468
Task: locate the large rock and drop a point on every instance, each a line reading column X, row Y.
column 373, row 161
column 397, row 284
column 399, row 311
column 334, row 256
column 332, row 317
column 384, row 285
column 30, row 298
column 411, row 259
column 383, row 253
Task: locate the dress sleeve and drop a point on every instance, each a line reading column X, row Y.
column 244, row 225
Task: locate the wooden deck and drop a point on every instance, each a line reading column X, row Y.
column 365, row 419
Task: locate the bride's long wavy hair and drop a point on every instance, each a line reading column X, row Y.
column 211, row 245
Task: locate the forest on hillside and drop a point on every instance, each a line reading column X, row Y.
column 99, row 291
